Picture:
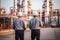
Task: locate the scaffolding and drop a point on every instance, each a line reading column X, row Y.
column 23, row 5
column 47, row 11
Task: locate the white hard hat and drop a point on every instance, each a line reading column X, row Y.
column 20, row 14
column 35, row 13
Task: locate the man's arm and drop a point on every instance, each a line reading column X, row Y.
column 24, row 25
column 40, row 23
column 13, row 25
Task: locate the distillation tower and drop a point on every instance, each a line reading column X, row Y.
column 47, row 11
column 23, row 5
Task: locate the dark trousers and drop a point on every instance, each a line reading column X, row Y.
column 19, row 34
column 35, row 34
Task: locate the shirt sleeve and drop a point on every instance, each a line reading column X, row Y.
column 41, row 23
column 23, row 25
column 13, row 25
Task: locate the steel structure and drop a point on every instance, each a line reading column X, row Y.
column 23, row 5
column 47, row 11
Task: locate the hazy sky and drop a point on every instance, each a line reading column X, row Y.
column 36, row 4
column 56, row 4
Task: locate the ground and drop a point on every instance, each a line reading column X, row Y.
column 45, row 34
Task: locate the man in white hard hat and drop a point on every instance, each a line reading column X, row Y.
column 34, row 25
column 19, row 27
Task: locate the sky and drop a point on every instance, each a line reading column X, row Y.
column 35, row 4
column 56, row 4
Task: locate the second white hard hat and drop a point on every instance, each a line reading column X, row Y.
column 35, row 13
column 20, row 14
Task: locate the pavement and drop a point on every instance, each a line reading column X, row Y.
column 7, row 31
column 50, row 34
column 45, row 34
